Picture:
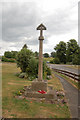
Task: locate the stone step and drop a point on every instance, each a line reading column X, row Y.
column 38, row 95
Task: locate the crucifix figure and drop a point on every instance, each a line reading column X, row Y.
column 41, row 27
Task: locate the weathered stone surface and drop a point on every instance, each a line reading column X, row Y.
column 38, row 95
column 39, row 86
column 41, row 27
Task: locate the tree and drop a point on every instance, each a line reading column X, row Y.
column 25, row 46
column 76, row 58
column 72, row 50
column 53, row 54
column 8, row 54
column 61, row 51
column 46, row 55
column 14, row 53
column 11, row 54
column 23, row 58
column 36, row 54
column 56, row 60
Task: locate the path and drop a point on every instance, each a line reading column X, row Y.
column 64, row 67
column 71, row 95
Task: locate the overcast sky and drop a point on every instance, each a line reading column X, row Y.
column 21, row 18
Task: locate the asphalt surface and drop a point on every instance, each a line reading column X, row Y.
column 64, row 67
column 71, row 94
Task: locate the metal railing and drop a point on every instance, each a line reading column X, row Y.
column 69, row 74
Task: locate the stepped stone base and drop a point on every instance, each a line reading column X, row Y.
column 32, row 91
column 38, row 95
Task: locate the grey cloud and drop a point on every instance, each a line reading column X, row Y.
column 60, row 22
column 18, row 21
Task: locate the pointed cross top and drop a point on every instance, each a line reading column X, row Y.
column 41, row 27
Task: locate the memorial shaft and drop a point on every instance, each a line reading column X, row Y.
column 40, row 68
column 41, row 27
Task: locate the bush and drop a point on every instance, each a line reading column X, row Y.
column 11, row 54
column 32, row 68
column 4, row 59
column 48, row 71
column 23, row 75
column 23, row 59
column 8, row 54
column 56, row 60
column 29, row 64
column 52, row 61
column 17, row 74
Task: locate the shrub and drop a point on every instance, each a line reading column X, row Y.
column 32, row 68
column 17, row 74
column 4, row 59
column 56, row 60
column 8, row 54
column 23, row 75
column 23, row 59
column 48, row 71
column 52, row 61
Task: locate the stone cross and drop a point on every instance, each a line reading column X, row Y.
column 41, row 27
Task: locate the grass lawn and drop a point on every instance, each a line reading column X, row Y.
column 14, row 108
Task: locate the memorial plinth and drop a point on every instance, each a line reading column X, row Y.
column 39, row 85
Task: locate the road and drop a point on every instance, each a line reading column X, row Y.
column 64, row 67
column 71, row 94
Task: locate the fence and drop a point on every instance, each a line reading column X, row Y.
column 67, row 73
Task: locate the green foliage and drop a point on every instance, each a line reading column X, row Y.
column 23, row 59
column 4, row 59
column 46, row 55
column 61, row 52
column 25, row 46
column 48, row 71
column 51, row 61
column 36, row 54
column 76, row 60
column 56, row 60
column 17, row 93
column 14, row 53
column 17, row 74
column 11, row 54
column 53, row 54
column 8, row 54
column 67, row 53
column 72, row 50
column 32, row 68
column 29, row 64
column 23, row 75
column 44, row 68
